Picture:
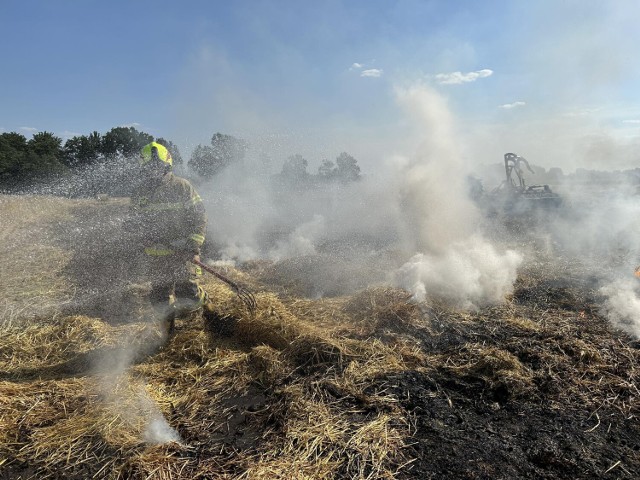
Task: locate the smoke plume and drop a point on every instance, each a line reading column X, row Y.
column 453, row 260
column 599, row 229
column 622, row 305
column 129, row 397
column 410, row 220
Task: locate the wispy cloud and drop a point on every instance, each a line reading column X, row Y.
column 133, row 124
column 585, row 112
column 372, row 72
column 365, row 71
column 68, row 134
column 509, row 106
column 633, row 122
column 458, row 78
column 28, row 129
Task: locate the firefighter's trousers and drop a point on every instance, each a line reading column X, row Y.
column 175, row 287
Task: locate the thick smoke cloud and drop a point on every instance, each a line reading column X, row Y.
column 411, row 220
column 623, row 305
column 453, row 260
column 467, row 274
column 253, row 217
column 599, row 229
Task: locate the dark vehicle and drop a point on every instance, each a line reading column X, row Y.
column 514, row 197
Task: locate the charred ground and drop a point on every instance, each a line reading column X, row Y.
column 541, row 390
column 366, row 385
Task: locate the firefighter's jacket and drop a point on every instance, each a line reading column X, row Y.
column 170, row 217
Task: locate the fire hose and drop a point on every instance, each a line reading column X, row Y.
column 245, row 295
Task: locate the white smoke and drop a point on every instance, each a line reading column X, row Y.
column 622, row 305
column 301, row 241
column 255, row 215
column 410, row 208
column 158, row 431
column 130, row 398
column 601, row 229
column 453, row 260
column 467, row 274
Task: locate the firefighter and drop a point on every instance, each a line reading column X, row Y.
column 171, row 220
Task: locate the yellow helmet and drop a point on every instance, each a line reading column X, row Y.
column 155, row 150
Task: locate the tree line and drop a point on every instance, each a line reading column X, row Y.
column 81, row 160
column 345, row 169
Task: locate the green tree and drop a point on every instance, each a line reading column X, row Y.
column 45, row 154
column 14, row 141
column 228, row 149
column 46, row 143
column 83, row 149
column 327, row 170
column 22, row 162
column 224, row 150
column 124, row 142
column 202, row 160
column 13, row 150
column 347, row 168
column 295, row 168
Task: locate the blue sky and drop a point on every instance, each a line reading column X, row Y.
column 548, row 78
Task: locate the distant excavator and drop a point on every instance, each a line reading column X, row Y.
column 513, row 196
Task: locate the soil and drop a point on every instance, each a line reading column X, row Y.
column 472, row 427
